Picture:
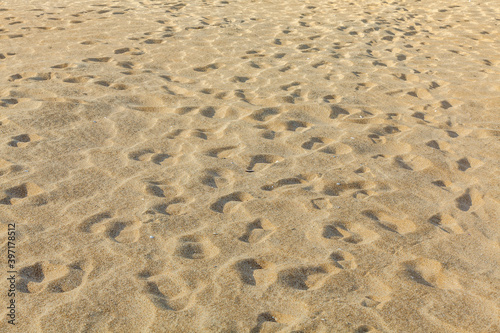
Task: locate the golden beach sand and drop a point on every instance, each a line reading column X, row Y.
column 250, row 165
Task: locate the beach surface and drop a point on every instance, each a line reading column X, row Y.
column 250, row 166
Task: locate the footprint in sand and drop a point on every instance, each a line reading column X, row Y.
column 146, row 155
column 17, row 194
column 279, row 126
column 55, row 278
column 257, row 231
column 115, row 229
column 78, row 79
column 8, row 102
column 337, row 189
column 321, row 203
column 88, row 224
column 217, row 178
column 377, row 294
column 161, row 189
column 101, row 59
column 353, row 234
column 225, row 203
column 64, row 65
column 195, row 248
column 273, row 321
column 263, row 159
column 222, row 152
column 129, row 65
column 343, row 259
column 316, row 143
column 465, row 164
column 284, row 182
column 172, row 293
column 412, row 162
column 446, row 223
column 439, row 145
column 391, row 223
column 307, row 277
column 23, row 140
column 73, row 279
column 207, row 68
column 255, row 272
column 471, row 197
column 122, row 50
column 337, row 111
column 442, row 183
column 430, row 273
column 124, row 231
column 265, row 114
column 208, row 111
column 174, row 207
column 366, row 329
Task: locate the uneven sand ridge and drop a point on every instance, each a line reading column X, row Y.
column 251, row 166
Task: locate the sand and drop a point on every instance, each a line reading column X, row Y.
column 251, row 165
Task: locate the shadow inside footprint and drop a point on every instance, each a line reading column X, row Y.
column 463, row 164
column 33, row 273
column 464, row 202
column 87, row 224
column 298, row 278
column 158, row 298
column 246, row 268
column 330, row 231
column 257, row 230
column 69, row 282
column 261, row 319
column 195, row 248
column 265, row 159
column 115, row 230
column 218, row 206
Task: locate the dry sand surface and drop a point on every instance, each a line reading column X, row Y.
column 251, row 166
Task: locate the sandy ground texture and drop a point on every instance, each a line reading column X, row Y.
column 251, row 166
